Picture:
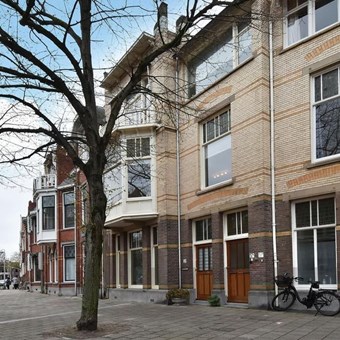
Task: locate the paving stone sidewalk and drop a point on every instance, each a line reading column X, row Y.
column 27, row 315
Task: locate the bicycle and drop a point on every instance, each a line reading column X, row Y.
column 326, row 302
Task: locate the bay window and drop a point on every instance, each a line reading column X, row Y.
column 314, row 240
column 326, row 114
column 48, row 212
column 217, row 149
column 139, row 167
column 306, row 17
column 113, row 184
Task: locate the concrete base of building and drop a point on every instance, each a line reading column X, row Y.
column 260, row 299
column 138, row 295
column 54, row 290
column 221, row 294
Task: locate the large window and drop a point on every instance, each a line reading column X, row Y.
column 48, row 212
column 69, row 263
column 69, row 209
column 314, row 240
column 136, row 258
column 217, row 149
column 220, row 58
column 306, row 17
column 139, row 167
column 326, row 114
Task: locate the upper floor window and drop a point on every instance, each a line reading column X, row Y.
column 217, row 149
column 48, row 212
column 306, row 17
column 139, row 167
column 69, row 209
column 220, row 58
column 326, row 114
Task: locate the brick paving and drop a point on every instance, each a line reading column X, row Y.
column 36, row 316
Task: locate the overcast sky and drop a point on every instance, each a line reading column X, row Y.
column 13, row 203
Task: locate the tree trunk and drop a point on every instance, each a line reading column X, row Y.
column 93, row 254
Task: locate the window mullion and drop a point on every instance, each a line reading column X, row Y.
column 235, row 44
column 311, row 17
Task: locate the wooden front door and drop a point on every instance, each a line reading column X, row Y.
column 204, row 271
column 238, row 270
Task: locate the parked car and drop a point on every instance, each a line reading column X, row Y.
column 3, row 277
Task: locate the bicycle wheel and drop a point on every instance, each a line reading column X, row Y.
column 327, row 303
column 283, row 301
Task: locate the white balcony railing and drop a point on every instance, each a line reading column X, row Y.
column 44, row 182
column 134, row 118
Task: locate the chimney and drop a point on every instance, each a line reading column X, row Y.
column 162, row 18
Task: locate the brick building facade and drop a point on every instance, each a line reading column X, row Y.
column 233, row 176
column 230, row 193
column 51, row 237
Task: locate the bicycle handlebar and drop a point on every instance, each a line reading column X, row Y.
column 299, row 278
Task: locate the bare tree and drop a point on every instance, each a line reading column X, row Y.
column 46, row 61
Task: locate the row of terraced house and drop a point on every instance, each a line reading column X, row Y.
column 234, row 179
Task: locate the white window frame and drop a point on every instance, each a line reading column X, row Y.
column 64, row 262
column 64, row 209
column 204, row 146
column 238, row 235
column 84, row 205
column 314, row 103
column 43, row 214
column 130, row 285
column 138, row 156
column 195, row 243
column 113, row 172
column 227, row 238
column 234, row 43
column 154, row 248
column 118, row 254
column 298, row 285
column 136, row 108
column 310, row 4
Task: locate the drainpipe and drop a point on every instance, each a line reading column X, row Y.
column 178, row 179
column 272, row 147
column 75, row 232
